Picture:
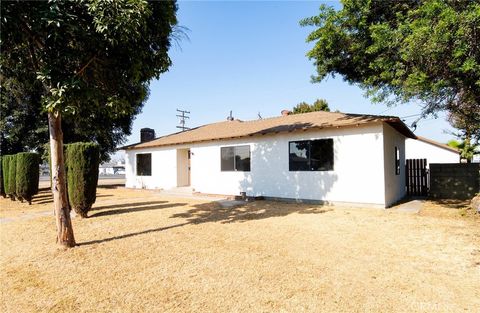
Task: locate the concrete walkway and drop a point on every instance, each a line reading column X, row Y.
column 412, row 206
column 188, row 193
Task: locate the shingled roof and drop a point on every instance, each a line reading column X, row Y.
column 290, row 123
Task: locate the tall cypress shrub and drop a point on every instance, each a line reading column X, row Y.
column 7, row 180
column 82, row 160
column 2, row 189
column 27, row 175
column 10, row 169
column 5, row 164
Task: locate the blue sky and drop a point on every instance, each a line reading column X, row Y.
column 249, row 57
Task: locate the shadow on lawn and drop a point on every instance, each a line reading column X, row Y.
column 451, row 203
column 47, row 198
column 125, row 205
column 110, row 186
column 214, row 212
column 153, row 230
column 138, row 208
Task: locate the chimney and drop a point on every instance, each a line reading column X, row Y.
column 286, row 112
column 147, row 134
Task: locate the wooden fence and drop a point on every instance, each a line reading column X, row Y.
column 416, row 177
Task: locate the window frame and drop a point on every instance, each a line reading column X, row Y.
column 235, row 159
column 397, row 160
column 309, row 167
column 137, row 164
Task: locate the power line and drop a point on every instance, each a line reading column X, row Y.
column 183, row 115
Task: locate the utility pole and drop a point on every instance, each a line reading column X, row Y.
column 183, row 115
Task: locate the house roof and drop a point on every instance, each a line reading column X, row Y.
column 294, row 122
column 437, row 144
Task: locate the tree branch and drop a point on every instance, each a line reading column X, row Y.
column 80, row 71
column 33, row 36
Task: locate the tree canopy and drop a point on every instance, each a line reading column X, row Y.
column 403, row 50
column 23, row 123
column 318, row 105
column 92, row 59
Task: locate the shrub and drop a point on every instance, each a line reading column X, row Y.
column 2, row 189
column 27, row 174
column 82, row 160
column 9, row 164
column 5, row 172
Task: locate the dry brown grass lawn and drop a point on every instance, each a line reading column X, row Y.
column 140, row 252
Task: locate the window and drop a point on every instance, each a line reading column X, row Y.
column 144, row 164
column 397, row 161
column 311, row 155
column 235, row 159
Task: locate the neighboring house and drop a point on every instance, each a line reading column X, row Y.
column 433, row 151
column 327, row 156
column 111, row 169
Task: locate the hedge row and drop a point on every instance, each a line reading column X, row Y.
column 19, row 174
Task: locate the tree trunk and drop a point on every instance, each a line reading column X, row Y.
column 65, row 235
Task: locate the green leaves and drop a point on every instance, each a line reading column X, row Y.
column 90, row 60
column 403, row 50
column 318, row 105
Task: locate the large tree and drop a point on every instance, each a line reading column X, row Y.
column 403, row 50
column 89, row 56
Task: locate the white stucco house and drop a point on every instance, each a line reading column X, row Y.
column 324, row 156
column 433, row 151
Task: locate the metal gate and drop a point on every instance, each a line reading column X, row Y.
column 416, row 177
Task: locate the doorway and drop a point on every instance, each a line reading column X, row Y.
column 183, row 167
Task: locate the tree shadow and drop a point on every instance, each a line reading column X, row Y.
column 214, row 212
column 136, row 209
column 451, row 203
column 134, row 204
column 44, row 198
column 111, row 186
column 153, row 230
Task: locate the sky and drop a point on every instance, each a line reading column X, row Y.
column 248, row 57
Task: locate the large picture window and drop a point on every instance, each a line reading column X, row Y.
column 235, row 158
column 144, row 164
column 311, row 155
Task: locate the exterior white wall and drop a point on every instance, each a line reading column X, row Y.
column 164, row 169
column 357, row 153
column 417, row 149
column 394, row 183
column 359, row 175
